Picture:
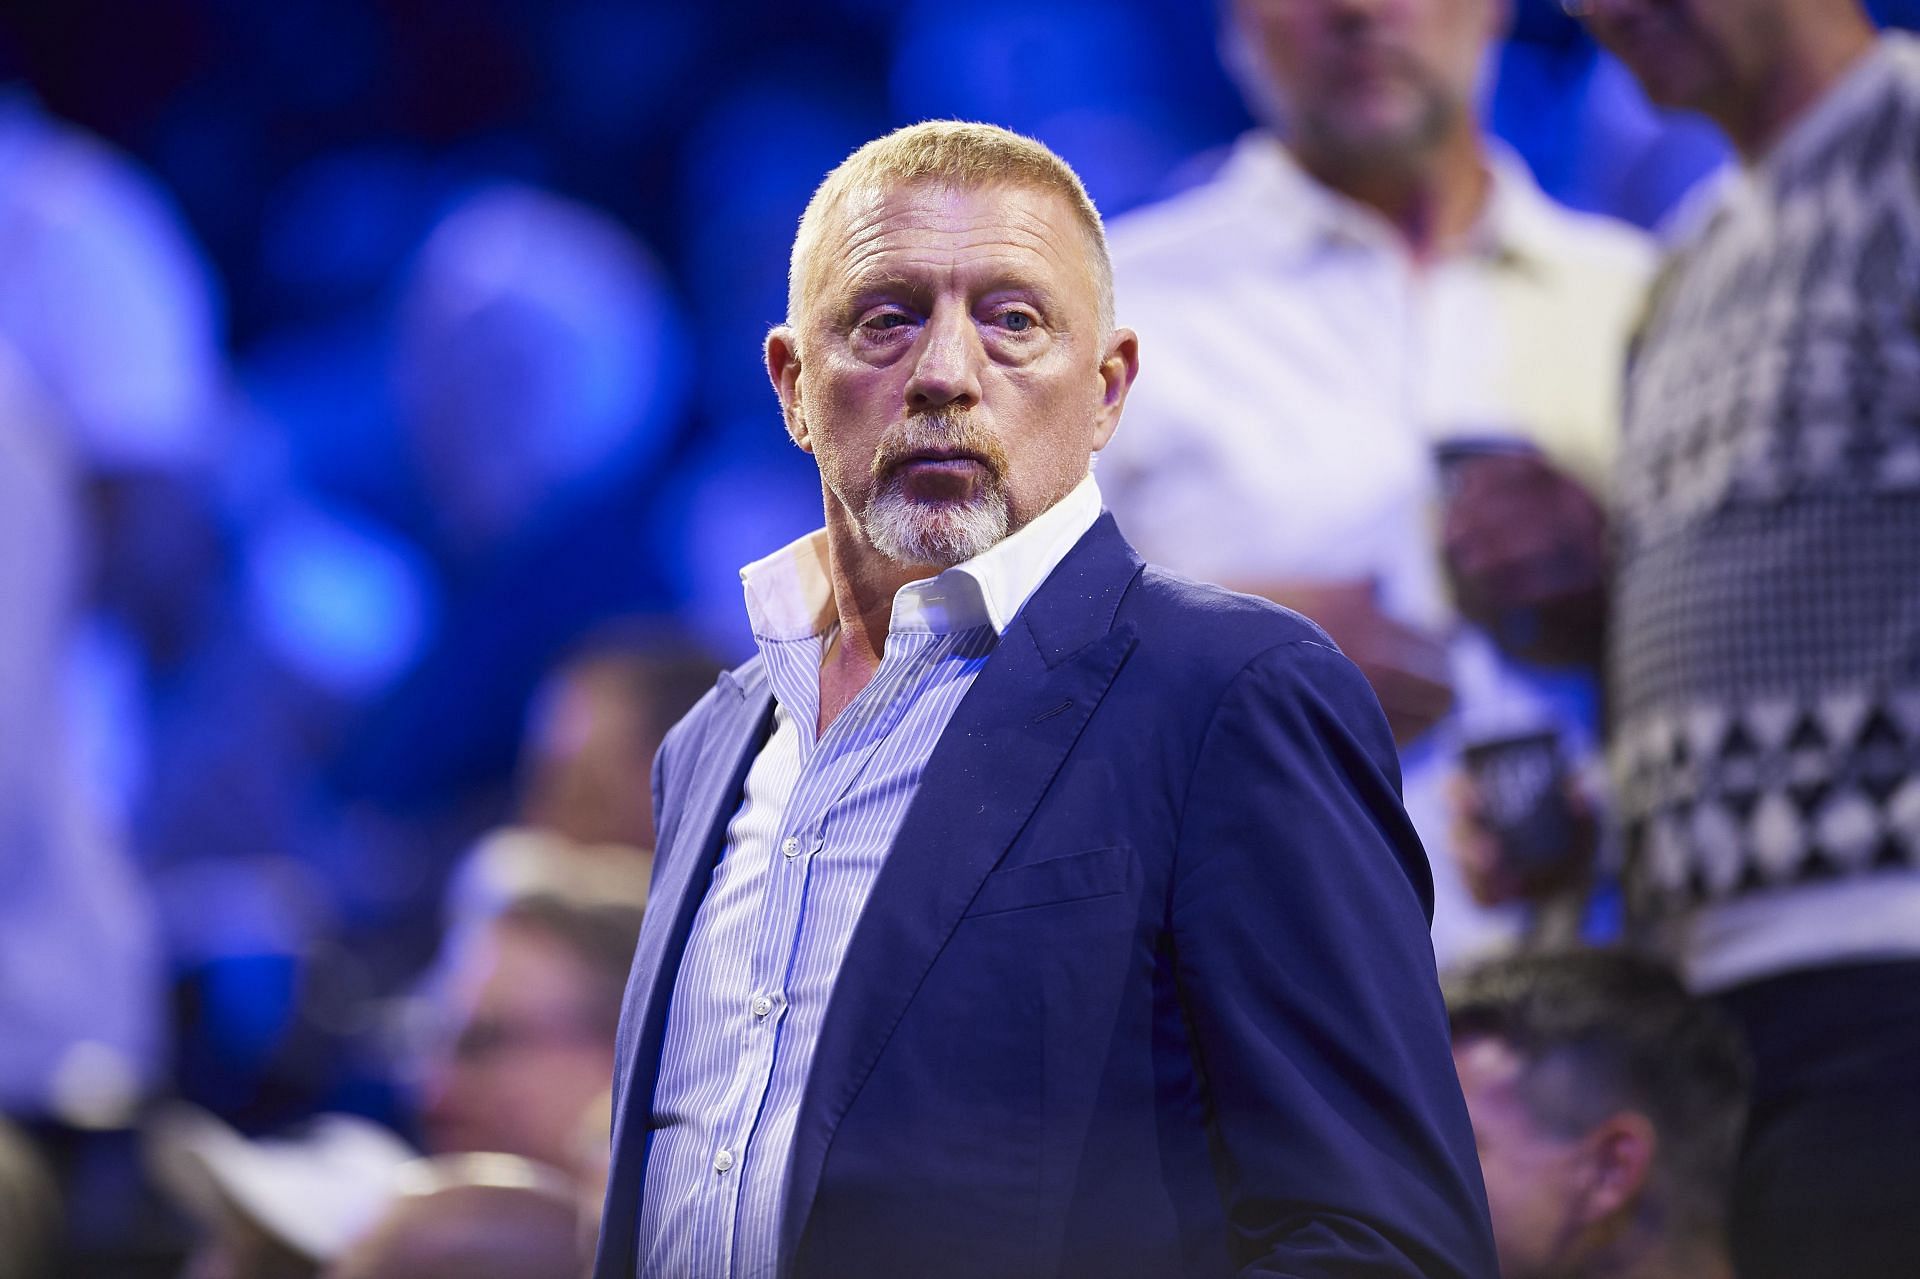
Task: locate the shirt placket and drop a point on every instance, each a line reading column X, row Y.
column 831, row 766
column 791, row 665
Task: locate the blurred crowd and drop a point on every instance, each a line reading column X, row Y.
column 382, row 425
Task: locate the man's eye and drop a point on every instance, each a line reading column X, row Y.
column 885, row 320
column 1016, row 321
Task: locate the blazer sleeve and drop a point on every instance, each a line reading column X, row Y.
column 1300, row 908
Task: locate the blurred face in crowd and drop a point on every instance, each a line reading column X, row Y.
column 949, row 369
column 1531, row 1174
column 529, row 1053
column 1365, row 81
column 1695, row 55
column 590, row 743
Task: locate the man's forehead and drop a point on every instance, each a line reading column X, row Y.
column 1018, row 211
column 875, row 229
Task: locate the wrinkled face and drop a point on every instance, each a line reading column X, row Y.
column 1529, row 1171
column 1366, row 81
column 949, row 371
column 1695, row 55
column 527, row 1057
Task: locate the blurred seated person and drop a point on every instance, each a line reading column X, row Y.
column 583, row 825
column 278, row 1207
column 1608, row 1106
column 473, row 1217
column 595, row 726
column 528, row 1016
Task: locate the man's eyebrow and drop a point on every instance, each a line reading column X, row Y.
column 878, row 282
column 1023, row 285
column 863, row 288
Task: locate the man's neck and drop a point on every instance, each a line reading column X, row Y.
column 1432, row 200
column 864, row 584
column 1817, row 49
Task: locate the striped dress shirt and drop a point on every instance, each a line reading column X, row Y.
column 802, row 852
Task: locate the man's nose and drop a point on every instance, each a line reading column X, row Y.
column 946, row 367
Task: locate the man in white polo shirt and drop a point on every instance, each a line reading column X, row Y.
column 1370, row 280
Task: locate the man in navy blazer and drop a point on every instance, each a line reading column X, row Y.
column 1022, row 910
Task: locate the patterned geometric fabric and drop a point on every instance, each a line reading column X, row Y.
column 1766, row 639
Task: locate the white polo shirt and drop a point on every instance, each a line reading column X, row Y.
column 1297, row 369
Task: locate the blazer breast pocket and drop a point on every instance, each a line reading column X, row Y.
column 1070, row 877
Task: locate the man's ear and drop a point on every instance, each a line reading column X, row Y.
column 1119, row 365
column 1619, row 1154
column 783, row 367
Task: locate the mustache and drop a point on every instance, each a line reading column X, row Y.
column 943, row 433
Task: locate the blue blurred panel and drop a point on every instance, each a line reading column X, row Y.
column 343, row 603
column 614, row 65
column 1895, row 13
column 245, row 1007
column 750, row 166
column 339, row 227
column 744, row 494
column 1022, row 67
column 539, row 351
column 315, row 54
column 1123, row 156
column 325, row 387
column 1590, row 136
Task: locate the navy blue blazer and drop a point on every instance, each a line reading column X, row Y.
column 1144, row 987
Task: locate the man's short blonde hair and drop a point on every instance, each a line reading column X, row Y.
column 959, row 155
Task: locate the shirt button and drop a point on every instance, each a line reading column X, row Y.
column 790, row 846
column 723, row 1161
column 762, row 1006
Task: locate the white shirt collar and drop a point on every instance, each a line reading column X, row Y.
column 790, row 592
column 1307, row 214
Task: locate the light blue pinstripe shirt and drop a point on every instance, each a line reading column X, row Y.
column 802, row 853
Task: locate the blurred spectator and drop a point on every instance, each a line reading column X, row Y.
column 1607, row 1105
column 1370, row 279
column 111, row 306
column 277, row 1208
column 538, row 372
column 107, row 296
column 80, row 977
column 596, row 725
column 1765, row 662
column 474, row 1217
column 29, row 1209
column 109, row 372
column 583, row 826
column 528, row 1021
column 538, row 353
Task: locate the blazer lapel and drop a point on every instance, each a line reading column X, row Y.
column 986, row 775
column 711, row 784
